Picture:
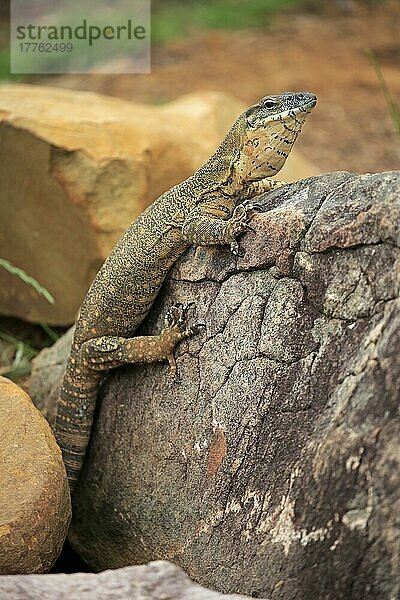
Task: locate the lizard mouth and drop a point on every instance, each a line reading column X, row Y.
column 304, row 109
column 309, row 105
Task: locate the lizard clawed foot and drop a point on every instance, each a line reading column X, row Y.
column 176, row 319
column 196, row 328
column 249, row 227
column 178, row 314
column 237, row 224
column 176, row 329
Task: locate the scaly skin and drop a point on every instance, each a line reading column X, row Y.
column 205, row 209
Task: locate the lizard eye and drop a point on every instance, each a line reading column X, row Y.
column 270, row 103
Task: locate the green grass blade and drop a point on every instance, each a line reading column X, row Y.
column 29, row 349
column 393, row 105
column 53, row 335
column 27, row 279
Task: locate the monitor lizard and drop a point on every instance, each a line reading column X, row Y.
column 212, row 206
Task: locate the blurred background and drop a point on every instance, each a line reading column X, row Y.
column 345, row 51
column 250, row 48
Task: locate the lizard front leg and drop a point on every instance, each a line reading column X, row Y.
column 204, row 227
column 213, row 222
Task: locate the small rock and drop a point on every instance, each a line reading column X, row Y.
column 155, row 581
column 35, row 507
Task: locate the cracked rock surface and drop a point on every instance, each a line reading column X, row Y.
column 272, row 468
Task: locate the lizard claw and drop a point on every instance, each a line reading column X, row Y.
column 180, row 311
column 186, row 307
column 236, row 250
column 177, row 314
column 239, row 220
column 234, row 247
column 174, row 377
column 195, row 329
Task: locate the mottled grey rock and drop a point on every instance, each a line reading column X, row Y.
column 155, row 581
column 272, row 468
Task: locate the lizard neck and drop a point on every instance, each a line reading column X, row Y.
column 219, row 172
column 246, row 156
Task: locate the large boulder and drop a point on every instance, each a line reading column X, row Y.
column 156, row 581
column 35, row 508
column 272, row 468
column 76, row 168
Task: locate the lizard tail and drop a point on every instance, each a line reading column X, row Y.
column 74, row 418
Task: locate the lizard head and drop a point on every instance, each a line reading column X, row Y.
column 270, row 129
